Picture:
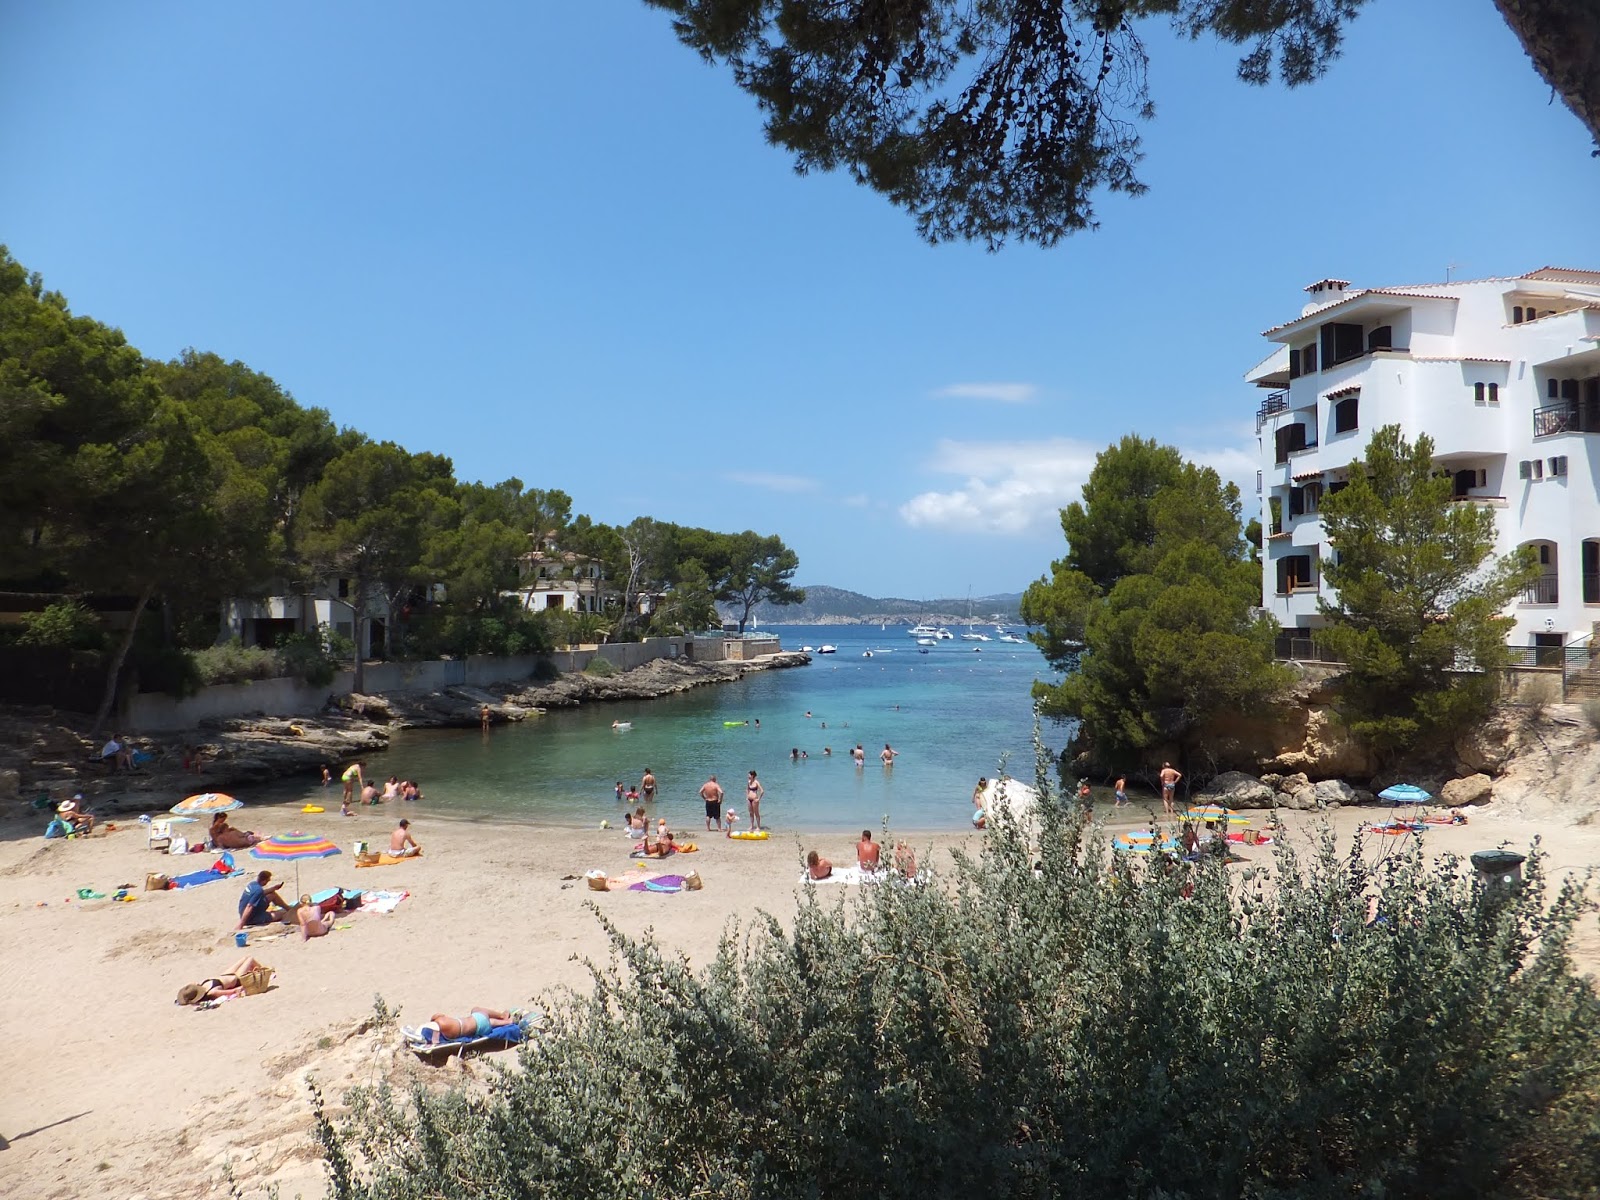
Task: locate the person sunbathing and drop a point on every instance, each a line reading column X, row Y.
column 229, row 983
column 73, row 815
column 818, row 867
column 657, row 847
column 905, row 858
column 868, row 852
column 401, row 843
column 314, row 922
column 477, row 1023
column 225, row 837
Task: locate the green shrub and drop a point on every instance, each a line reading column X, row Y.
column 66, row 624
column 315, row 655
column 166, row 669
column 545, row 671
column 234, row 662
column 600, row 668
column 1099, row 1027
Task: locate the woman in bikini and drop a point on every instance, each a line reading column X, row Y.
column 229, row 983
column 753, row 791
column 477, row 1023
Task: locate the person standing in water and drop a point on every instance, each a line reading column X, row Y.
column 859, row 755
column 889, row 755
column 647, row 787
column 753, row 791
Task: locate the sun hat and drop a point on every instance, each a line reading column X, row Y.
column 191, row 993
column 66, row 806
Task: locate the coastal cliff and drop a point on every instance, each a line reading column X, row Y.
column 46, row 753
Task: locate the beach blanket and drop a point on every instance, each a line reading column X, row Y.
column 658, row 883
column 1264, row 839
column 847, row 875
column 426, row 1043
column 385, row 859
column 223, row 868
column 381, row 902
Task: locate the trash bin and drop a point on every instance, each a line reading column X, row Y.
column 1502, row 867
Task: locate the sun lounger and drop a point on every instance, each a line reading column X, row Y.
column 427, row 1045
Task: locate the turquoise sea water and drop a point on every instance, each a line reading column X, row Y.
column 951, row 713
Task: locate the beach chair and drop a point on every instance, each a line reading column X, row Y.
column 428, row 1046
column 159, row 831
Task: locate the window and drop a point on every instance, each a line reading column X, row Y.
column 1552, row 389
column 1294, row 363
column 1516, row 315
column 344, row 589
column 1462, row 482
column 1308, row 359
column 1538, row 468
column 1341, row 341
column 1338, row 485
column 1344, row 414
column 1494, row 393
column 1294, row 574
column 1558, row 466
column 1544, row 556
column 1297, row 502
column 1477, row 393
column 1381, row 338
column 1524, row 469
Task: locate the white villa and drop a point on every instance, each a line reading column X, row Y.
column 551, row 578
column 1502, row 374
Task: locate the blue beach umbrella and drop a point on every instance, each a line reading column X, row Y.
column 1405, row 793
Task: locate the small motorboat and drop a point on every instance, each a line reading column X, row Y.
column 827, row 650
column 927, row 641
column 808, row 649
column 866, row 654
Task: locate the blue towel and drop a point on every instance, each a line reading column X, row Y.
column 196, row 878
column 511, row 1034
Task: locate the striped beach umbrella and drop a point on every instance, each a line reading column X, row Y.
column 1216, row 812
column 292, row 847
column 205, row 804
column 1405, row 793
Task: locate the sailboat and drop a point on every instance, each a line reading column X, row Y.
column 972, row 634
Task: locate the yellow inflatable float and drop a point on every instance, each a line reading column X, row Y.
column 749, row 835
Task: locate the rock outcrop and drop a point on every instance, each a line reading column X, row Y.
column 1474, row 789
column 1235, row 789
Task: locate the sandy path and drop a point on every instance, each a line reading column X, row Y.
column 115, row 1091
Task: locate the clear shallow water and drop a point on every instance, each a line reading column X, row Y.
column 958, row 711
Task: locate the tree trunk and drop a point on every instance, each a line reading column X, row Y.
column 1563, row 39
column 109, row 695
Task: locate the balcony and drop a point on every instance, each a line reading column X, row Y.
column 1565, row 416
column 1275, row 403
column 1543, row 591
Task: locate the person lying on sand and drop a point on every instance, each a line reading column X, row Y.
column 229, row 983
column 477, row 1023
column 818, row 867
column 225, row 837
column 218, row 987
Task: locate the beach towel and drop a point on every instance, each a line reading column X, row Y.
column 426, row 1043
column 847, row 875
column 381, row 902
column 658, row 883
column 385, row 859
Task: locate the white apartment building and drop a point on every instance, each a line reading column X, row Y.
column 1502, row 374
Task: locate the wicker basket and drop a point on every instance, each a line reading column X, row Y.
column 369, row 859
column 257, row 981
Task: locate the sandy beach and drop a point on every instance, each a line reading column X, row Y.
column 124, row 1094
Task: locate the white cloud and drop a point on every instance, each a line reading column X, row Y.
column 773, row 483
column 1017, row 488
column 998, row 393
column 1011, row 488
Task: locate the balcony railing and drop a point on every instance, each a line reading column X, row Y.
column 1292, row 647
column 1565, row 416
column 1543, row 591
column 1275, row 403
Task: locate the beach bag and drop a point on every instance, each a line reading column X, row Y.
column 597, row 880
column 154, row 882
column 56, row 829
column 257, row 981
column 179, row 846
column 691, row 882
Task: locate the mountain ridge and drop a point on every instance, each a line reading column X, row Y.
column 827, row 605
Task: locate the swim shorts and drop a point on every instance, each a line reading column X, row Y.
column 713, row 810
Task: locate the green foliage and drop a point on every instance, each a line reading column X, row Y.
column 1420, row 594
column 545, row 671
column 600, row 668
column 1164, row 617
column 984, row 121
column 232, row 662
column 315, row 655
column 66, row 624
column 1100, row 1027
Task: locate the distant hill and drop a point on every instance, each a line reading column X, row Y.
column 835, row 606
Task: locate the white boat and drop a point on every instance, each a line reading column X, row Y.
column 866, row 654
column 808, row 649
column 923, row 631
column 927, row 641
column 827, row 649
column 1011, row 637
column 972, row 634
column 943, row 634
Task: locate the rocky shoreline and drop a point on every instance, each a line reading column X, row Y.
column 47, row 755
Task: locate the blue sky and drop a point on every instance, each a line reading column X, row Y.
column 548, row 241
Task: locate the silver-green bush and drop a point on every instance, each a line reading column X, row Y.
column 1090, row 1027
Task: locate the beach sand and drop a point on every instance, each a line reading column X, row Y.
column 115, row 1091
